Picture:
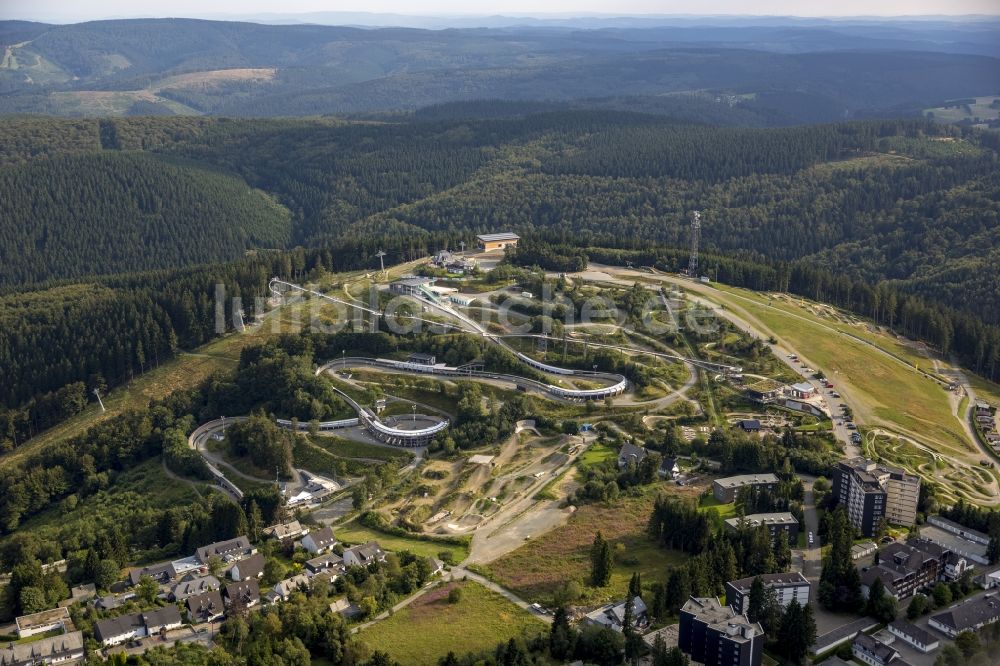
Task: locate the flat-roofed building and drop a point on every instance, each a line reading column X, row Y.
column 725, row 490
column 786, row 586
column 39, row 623
column 410, row 286
column 776, row 523
column 715, row 635
column 500, row 241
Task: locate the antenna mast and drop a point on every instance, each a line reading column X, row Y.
column 695, row 238
column 97, row 394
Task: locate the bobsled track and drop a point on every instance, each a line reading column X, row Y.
column 616, row 383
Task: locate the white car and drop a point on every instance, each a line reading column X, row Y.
column 810, row 538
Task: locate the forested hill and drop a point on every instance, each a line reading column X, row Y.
column 111, row 212
column 777, row 74
column 906, row 201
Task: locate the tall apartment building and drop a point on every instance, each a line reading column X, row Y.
column 715, row 635
column 870, row 491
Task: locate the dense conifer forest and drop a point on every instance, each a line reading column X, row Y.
column 104, row 221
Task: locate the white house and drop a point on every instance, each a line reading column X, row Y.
column 319, row 541
column 118, row 630
column 914, row 635
column 284, row 589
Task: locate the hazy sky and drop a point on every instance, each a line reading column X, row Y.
column 75, row 10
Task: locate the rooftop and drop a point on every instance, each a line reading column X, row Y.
column 506, row 235
column 710, row 611
column 758, row 519
column 746, row 479
column 913, row 631
column 42, row 618
column 970, row 613
column 117, row 626
column 881, row 651
column 48, row 650
column 771, row 580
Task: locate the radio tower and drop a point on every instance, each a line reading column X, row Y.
column 695, row 237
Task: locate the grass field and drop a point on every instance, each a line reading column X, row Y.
column 982, row 109
column 354, row 533
column 431, row 626
column 596, row 454
column 724, row 510
column 346, row 448
column 885, row 390
column 537, row 569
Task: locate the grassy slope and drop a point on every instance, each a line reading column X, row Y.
column 539, row 567
column 889, row 390
column 431, row 627
column 184, row 371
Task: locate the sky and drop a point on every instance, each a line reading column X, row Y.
column 75, row 10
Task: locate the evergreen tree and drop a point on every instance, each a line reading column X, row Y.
column 797, row 631
column 755, row 600
column 562, row 637
column 601, row 561
column 635, row 585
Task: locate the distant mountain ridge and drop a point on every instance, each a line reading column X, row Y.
column 800, row 73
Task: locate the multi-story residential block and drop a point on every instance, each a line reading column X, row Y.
column 715, row 635
column 774, row 522
column 870, row 491
column 787, row 586
column 725, row 490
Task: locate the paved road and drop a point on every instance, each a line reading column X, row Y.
column 812, row 559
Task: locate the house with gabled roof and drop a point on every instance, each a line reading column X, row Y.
column 326, row 562
column 630, row 454
column 363, row 555
column 319, row 541
column 206, row 607
column 246, row 569
column 163, row 573
column 289, row 530
column 191, row 585
column 245, row 594
column 285, row 588
column 230, row 550
column 61, row 649
column 968, row 615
